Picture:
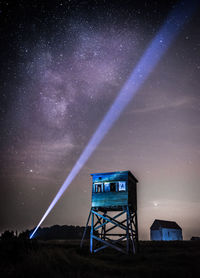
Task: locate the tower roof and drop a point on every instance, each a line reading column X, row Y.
column 117, row 172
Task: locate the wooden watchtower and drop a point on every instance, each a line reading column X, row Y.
column 113, row 212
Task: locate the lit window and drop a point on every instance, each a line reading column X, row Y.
column 122, row 186
column 106, row 186
column 98, row 187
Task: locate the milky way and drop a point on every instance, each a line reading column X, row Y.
column 68, row 83
column 64, row 65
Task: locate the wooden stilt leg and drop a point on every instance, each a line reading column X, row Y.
column 91, row 233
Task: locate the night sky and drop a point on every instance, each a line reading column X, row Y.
column 62, row 65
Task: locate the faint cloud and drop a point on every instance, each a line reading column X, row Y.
column 183, row 102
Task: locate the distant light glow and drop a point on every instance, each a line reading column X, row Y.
column 145, row 66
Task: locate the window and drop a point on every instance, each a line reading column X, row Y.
column 122, row 186
column 106, row 186
column 98, row 187
column 112, row 186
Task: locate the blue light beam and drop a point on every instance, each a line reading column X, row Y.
column 159, row 45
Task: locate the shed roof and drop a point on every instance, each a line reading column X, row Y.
column 164, row 224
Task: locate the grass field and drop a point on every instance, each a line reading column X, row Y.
column 65, row 259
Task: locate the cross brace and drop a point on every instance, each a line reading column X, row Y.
column 102, row 223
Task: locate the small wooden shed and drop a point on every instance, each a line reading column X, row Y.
column 165, row 230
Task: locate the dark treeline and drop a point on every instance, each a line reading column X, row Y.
column 54, row 232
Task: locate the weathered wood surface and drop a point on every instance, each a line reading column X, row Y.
column 108, row 199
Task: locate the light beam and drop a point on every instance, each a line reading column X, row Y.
column 175, row 21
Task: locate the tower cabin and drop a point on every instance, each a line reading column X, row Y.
column 114, row 190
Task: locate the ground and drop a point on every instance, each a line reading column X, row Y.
column 20, row 258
